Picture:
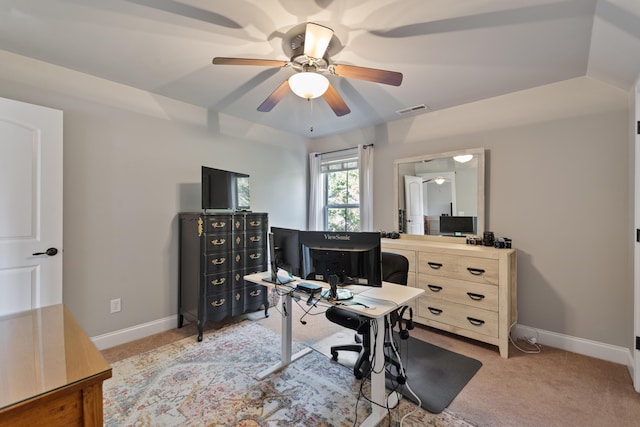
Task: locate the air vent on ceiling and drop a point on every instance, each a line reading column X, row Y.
column 414, row 109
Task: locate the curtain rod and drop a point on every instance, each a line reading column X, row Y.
column 344, row 149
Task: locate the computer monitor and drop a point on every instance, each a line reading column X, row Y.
column 354, row 258
column 274, row 277
column 457, row 225
column 286, row 247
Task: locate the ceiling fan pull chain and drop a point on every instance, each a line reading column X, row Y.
column 310, row 114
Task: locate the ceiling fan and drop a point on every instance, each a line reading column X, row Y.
column 309, row 46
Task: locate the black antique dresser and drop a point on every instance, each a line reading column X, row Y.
column 216, row 252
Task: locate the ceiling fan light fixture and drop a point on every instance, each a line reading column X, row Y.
column 463, row 158
column 308, row 84
column 316, row 40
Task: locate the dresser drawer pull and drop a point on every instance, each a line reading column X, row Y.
column 255, row 293
column 218, row 282
column 255, row 256
column 255, row 223
column 218, row 303
column 435, row 311
column 220, row 224
column 475, row 271
column 475, row 297
column 255, row 238
column 434, row 265
column 218, row 261
column 475, row 322
column 218, row 242
column 434, row 288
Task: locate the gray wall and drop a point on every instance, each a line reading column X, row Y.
column 556, row 183
column 131, row 163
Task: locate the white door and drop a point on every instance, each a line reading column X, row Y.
column 414, row 204
column 636, row 269
column 30, row 206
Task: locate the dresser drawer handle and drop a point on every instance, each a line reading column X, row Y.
column 255, row 223
column 255, row 238
column 434, row 265
column 218, row 242
column 218, row 303
column 220, row 224
column 255, row 256
column 218, row 261
column 475, row 271
column 255, row 293
column 475, row 322
column 475, row 297
column 434, row 288
column 218, row 282
column 435, row 311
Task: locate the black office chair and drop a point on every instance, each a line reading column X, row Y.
column 395, row 269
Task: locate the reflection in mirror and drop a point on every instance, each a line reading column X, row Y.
column 441, row 194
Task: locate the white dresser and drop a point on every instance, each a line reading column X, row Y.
column 469, row 290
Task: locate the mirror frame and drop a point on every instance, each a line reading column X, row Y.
column 480, row 152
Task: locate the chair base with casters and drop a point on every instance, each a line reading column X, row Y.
column 361, row 325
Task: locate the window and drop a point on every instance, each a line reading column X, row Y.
column 341, row 195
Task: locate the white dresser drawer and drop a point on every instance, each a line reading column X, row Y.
column 473, row 294
column 484, row 322
column 481, row 270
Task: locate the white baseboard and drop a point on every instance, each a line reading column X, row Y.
column 611, row 353
column 133, row 333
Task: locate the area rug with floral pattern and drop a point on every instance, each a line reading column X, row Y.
column 214, row 383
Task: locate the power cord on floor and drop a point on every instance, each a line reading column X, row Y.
column 534, row 346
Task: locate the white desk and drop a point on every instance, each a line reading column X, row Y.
column 381, row 301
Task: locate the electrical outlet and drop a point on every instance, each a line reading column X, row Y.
column 115, row 305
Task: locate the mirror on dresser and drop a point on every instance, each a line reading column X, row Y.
column 440, row 194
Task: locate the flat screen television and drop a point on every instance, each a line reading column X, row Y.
column 353, row 257
column 286, row 245
column 457, row 225
column 223, row 189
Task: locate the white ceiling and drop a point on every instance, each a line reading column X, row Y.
column 451, row 52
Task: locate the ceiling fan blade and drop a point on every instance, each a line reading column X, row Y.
column 335, row 101
column 371, row 74
column 275, row 97
column 316, row 40
column 248, row 61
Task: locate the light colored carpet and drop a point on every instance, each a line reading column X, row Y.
column 213, row 383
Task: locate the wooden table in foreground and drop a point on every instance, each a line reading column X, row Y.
column 50, row 372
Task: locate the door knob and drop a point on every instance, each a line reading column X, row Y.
column 50, row 252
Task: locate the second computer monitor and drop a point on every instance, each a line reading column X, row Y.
column 286, row 247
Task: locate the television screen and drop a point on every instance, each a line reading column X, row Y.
column 354, row 257
column 457, row 225
column 223, row 189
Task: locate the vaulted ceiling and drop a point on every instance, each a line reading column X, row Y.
column 450, row 52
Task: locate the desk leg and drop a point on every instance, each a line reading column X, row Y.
column 378, row 387
column 286, row 309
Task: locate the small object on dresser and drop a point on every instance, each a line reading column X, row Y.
column 489, row 238
column 474, row 240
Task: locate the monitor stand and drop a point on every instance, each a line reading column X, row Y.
column 341, row 295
